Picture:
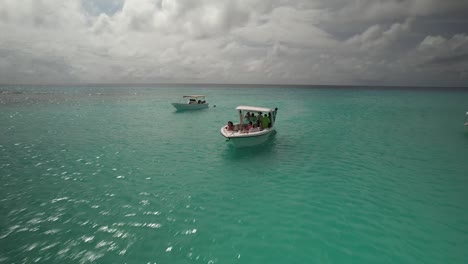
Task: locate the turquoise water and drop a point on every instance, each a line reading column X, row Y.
column 115, row 175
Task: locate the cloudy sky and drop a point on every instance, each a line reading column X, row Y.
column 357, row 42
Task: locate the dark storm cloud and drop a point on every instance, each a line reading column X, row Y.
column 451, row 60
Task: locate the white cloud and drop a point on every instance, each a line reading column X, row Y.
column 50, row 14
column 376, row 37
column 226, row 41
column 286, row 25
column 450, row 54
column 380, row 10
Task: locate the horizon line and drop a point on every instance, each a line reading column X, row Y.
column 234, row 84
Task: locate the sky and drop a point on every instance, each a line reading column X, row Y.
column 316, row 42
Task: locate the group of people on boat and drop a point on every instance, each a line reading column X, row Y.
column 193, row 101
column 252, row 123
column 262, row 121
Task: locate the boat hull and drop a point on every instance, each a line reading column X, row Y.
column 240, row 140
column 182, row 106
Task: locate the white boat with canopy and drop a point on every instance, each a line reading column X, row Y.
column 255, row 126
column 191, row 102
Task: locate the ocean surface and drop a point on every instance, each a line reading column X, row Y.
column 113, row 174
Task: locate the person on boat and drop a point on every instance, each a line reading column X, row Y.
column 253, row 118
column 247, row 116
column 247, row 128
column 254, row 128
column 230, row 126
column 270, row 120
column 259, row 116
column 265, row 121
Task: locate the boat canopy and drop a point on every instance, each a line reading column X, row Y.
column 194, row 96
column 254, row 109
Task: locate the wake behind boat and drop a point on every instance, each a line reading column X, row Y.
column 255, row 126
column 191, row 102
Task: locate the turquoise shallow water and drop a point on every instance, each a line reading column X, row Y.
column 115, row 175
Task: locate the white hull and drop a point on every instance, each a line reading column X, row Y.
column 242, row 139
column 184, row 106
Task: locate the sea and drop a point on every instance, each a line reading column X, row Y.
column 114, row 174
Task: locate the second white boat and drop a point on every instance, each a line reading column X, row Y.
column 191, row 102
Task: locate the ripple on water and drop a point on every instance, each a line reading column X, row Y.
column 339, row 186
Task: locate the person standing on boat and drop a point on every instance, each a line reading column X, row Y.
column 270, row 120
column 259, row 116
column 274, row 115
column 253, row 118
column 247, row 118
column 265, row 121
